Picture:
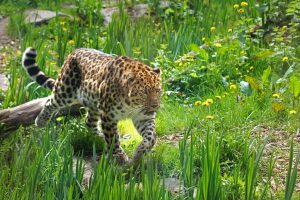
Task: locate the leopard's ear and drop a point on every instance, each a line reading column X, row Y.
column 156, row 70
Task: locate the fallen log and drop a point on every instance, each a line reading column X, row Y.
column 25, row 114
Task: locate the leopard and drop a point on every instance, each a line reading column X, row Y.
column 111, row 88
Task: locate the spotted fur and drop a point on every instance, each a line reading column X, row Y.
column 110, row 87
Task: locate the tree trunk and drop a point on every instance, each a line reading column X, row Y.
column 25, row 114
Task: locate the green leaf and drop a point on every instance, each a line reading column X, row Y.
column 295, row 86
column 194, row 75
column 263, row 54
column 266, row 75
column 59, row 118
column 255, row 84
column 201, row 52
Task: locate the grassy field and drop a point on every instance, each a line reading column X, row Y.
column 228, row 126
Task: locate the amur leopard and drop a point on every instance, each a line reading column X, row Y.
column 110, row 87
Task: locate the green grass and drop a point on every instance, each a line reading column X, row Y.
column 218, row 156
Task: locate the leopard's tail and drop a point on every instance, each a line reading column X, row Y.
column 33, row 70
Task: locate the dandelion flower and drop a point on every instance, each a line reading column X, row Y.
column 241, row 10
column 197, row 103
column 225, row 93
column 205, row 103
column 244, row 3
column 285, row 58
column 71, row 42
column 210, row 101
column 65, row 29
column 229, row 30
column 62, row 23
column 218, row 45
column 209, row 117
column 212, row 29
column 275, row 95
column 233, row 87
column 218, row 97
column 292, row 112
column 236, row 6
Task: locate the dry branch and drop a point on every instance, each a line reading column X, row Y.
column 25, row 114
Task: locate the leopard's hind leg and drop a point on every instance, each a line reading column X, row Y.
column 64, row 92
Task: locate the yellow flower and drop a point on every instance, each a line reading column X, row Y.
column 285, row 58
column 233, row 87
column 212, row 29
column 292, row 112
column 275, row 95
column 197, row 103
column 229, row 30
column 241, row 10
column 225, row 93
column 71, row 42
column 210, row 101
column 218, row 45
column 244, row 3
column 205, row 103
column 209, row 117
column 62, row 23
column 65, row 29
column 236, row 6
column 218, row 97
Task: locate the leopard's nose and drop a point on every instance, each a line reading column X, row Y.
column 155, row 106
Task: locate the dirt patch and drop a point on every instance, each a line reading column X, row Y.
column 5, row 40
column 278, row 146
column 6, row 44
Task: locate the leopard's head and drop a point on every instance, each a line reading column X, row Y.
column 145, row 89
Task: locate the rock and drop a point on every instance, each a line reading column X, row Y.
column 109, row 3
column 138, row 11
column 69, row 5
column 134, row 12
column 39, row 17
column 108, row 13
column 3, row 82
column 88, row 170
column 173, row 185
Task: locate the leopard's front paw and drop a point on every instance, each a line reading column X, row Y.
column 40, row 122
column 120, row 158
